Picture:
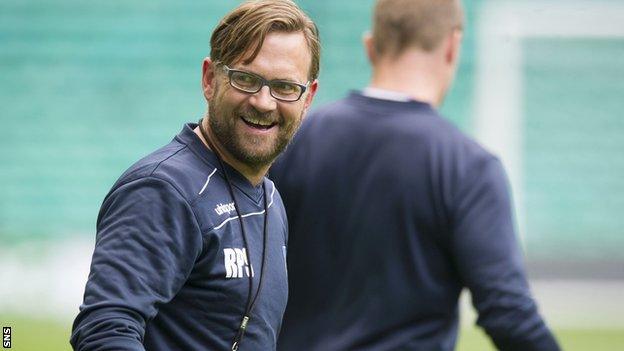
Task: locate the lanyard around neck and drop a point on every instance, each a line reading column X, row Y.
column 251, row 302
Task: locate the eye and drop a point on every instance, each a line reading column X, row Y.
column 285, row 88
column 244, row 80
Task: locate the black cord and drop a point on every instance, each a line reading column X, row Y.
column 264, row 244
column 250, row 302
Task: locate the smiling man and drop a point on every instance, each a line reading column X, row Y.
column 191, row 240
column 252, row 119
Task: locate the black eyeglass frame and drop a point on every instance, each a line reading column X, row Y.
column 230, row 71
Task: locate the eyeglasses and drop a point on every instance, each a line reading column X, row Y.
column 250, row 83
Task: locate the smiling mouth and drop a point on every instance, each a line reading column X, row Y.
column 258, row 123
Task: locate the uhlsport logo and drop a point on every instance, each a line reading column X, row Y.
column 225, row 208
column 235, row 261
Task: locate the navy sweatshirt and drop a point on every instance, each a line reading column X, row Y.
column 169, row 270
column 392, row 212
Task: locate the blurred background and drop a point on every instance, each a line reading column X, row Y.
column 89, row 87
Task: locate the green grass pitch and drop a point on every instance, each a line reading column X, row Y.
column 39, row 335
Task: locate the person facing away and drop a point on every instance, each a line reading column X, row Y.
column 393, row 211
column 191, row 240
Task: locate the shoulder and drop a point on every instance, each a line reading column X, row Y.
column 358, row 115
column 174, row 164
column 173, row 175
column 276, row 206
column 275, row 199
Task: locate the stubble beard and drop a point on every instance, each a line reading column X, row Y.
column 252, row 151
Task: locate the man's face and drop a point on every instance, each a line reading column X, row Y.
column 255, row 128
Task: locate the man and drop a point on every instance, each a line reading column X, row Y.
column 191, row 240
column 393, row 211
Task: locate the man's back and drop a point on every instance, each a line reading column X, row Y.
column 391, row 212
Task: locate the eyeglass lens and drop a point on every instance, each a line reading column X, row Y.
column 250, row 83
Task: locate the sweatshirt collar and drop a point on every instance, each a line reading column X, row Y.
column 188, row 137
column 384, row 94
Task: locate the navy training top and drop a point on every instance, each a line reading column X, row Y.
column 169, row 270
column 392, row 211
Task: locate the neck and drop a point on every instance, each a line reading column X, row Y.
column 253, row 174
column 414, row 73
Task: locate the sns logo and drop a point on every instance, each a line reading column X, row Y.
column 236, row 264
column 6, row 337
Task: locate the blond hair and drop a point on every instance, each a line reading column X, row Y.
column 402, row 24
column 240, row 34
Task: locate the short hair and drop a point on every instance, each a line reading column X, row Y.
column 403, row 24
column 240, row 34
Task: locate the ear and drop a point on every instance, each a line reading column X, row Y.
column 453, row 47
column 208, row 78
column 310, row 95
column 367, row 40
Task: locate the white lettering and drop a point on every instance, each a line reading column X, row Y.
column 6, row 337
column 247, row 264
column 225, row 208
column 229, row 258
column 234, row 260
column 240, row 261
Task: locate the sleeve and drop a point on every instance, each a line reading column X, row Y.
column 146, row 244
column 488, row 259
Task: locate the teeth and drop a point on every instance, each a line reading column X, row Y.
column 257, row 121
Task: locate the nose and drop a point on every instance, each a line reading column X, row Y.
column 263, row 101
